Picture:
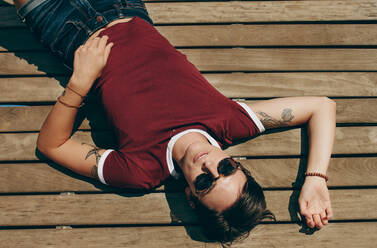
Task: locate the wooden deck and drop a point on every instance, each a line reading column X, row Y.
column 249, row 50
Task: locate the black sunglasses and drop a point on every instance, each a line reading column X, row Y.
column 205, row 182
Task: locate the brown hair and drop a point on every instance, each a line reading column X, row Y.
column 236, row 222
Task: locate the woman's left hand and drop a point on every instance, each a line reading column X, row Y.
column 315, row 203
column 89, row 61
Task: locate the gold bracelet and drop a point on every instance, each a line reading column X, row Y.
column 68, row 87
column 316, row 174
column 69, row 106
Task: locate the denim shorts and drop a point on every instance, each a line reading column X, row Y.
column 64, row 25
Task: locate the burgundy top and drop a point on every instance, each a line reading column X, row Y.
column 150, row 93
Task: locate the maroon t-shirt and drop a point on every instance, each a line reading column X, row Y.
column 151, row 92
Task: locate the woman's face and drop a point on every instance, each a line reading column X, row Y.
column 204, row 158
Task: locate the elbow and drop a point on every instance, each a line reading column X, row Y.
column 329, row 104
column 41, row 146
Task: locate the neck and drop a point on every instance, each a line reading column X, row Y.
column 181, row 145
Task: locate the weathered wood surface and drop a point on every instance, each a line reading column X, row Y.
column 348, row 140
column 335, row 235
column 233, row 85
column 130, row 237
column 96, row 209
column 248, row 85
column 250, row 11
column 253, row 26
column 234, row 35
column 255, row 59
column 269, row 173
column 28, row 63
column 233, row 59
column 31, row 118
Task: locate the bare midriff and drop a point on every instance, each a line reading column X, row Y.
column 95, row 34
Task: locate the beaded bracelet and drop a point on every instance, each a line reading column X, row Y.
column 316, row 174
column 69, row 106
column 68, row 87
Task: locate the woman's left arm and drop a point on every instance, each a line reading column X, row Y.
column 319, row 114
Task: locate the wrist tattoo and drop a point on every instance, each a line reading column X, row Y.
column 270, row 122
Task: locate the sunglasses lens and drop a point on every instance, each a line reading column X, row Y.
column 203, row 181
column 226, row 167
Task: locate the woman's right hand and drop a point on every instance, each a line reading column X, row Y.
column 315, row 203
column 89, row 61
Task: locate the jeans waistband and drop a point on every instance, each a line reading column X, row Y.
column 27, row 7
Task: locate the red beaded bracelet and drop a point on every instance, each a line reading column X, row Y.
column 316, row 174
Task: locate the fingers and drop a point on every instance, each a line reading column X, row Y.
column 107, row 50
column 313, row 219
column 308, row 216
column 309, row 221
column 317, row 221
column 103, row 41
column 324, row 218
column 329, row 212
column 96, row 42
column 93, row 43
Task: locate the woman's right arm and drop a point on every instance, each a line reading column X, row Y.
column 54, row 138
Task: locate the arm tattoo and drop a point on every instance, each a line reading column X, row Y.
column 95, row 152
column 270, row 122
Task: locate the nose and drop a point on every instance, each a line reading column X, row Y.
column 210, row 167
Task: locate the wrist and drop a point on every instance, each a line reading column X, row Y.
column 79, row 84
column 71, row 98
column 316, row 176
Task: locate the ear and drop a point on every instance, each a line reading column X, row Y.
column 189, row 197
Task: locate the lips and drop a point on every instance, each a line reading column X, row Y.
column 199, row 156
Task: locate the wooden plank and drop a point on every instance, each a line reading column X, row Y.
column 27, row 63
column 280, row 235
column 250, row 11
column 234, row 59
column 31, row 118
column 269, row 173
column 130, row 237
column 32, row 89
column 265, row 11
column 270, row 35
column 97, row 209
column 335, row 235
column 233, row 85
column 282, row 173
column 42, row 177
column 234, row 35
column 247, row 85
column 348, row 140
column 356, row 111
column 255, row 59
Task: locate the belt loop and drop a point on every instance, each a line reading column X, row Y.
column 117, row 6
column 124, row 3
column 20, row 16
